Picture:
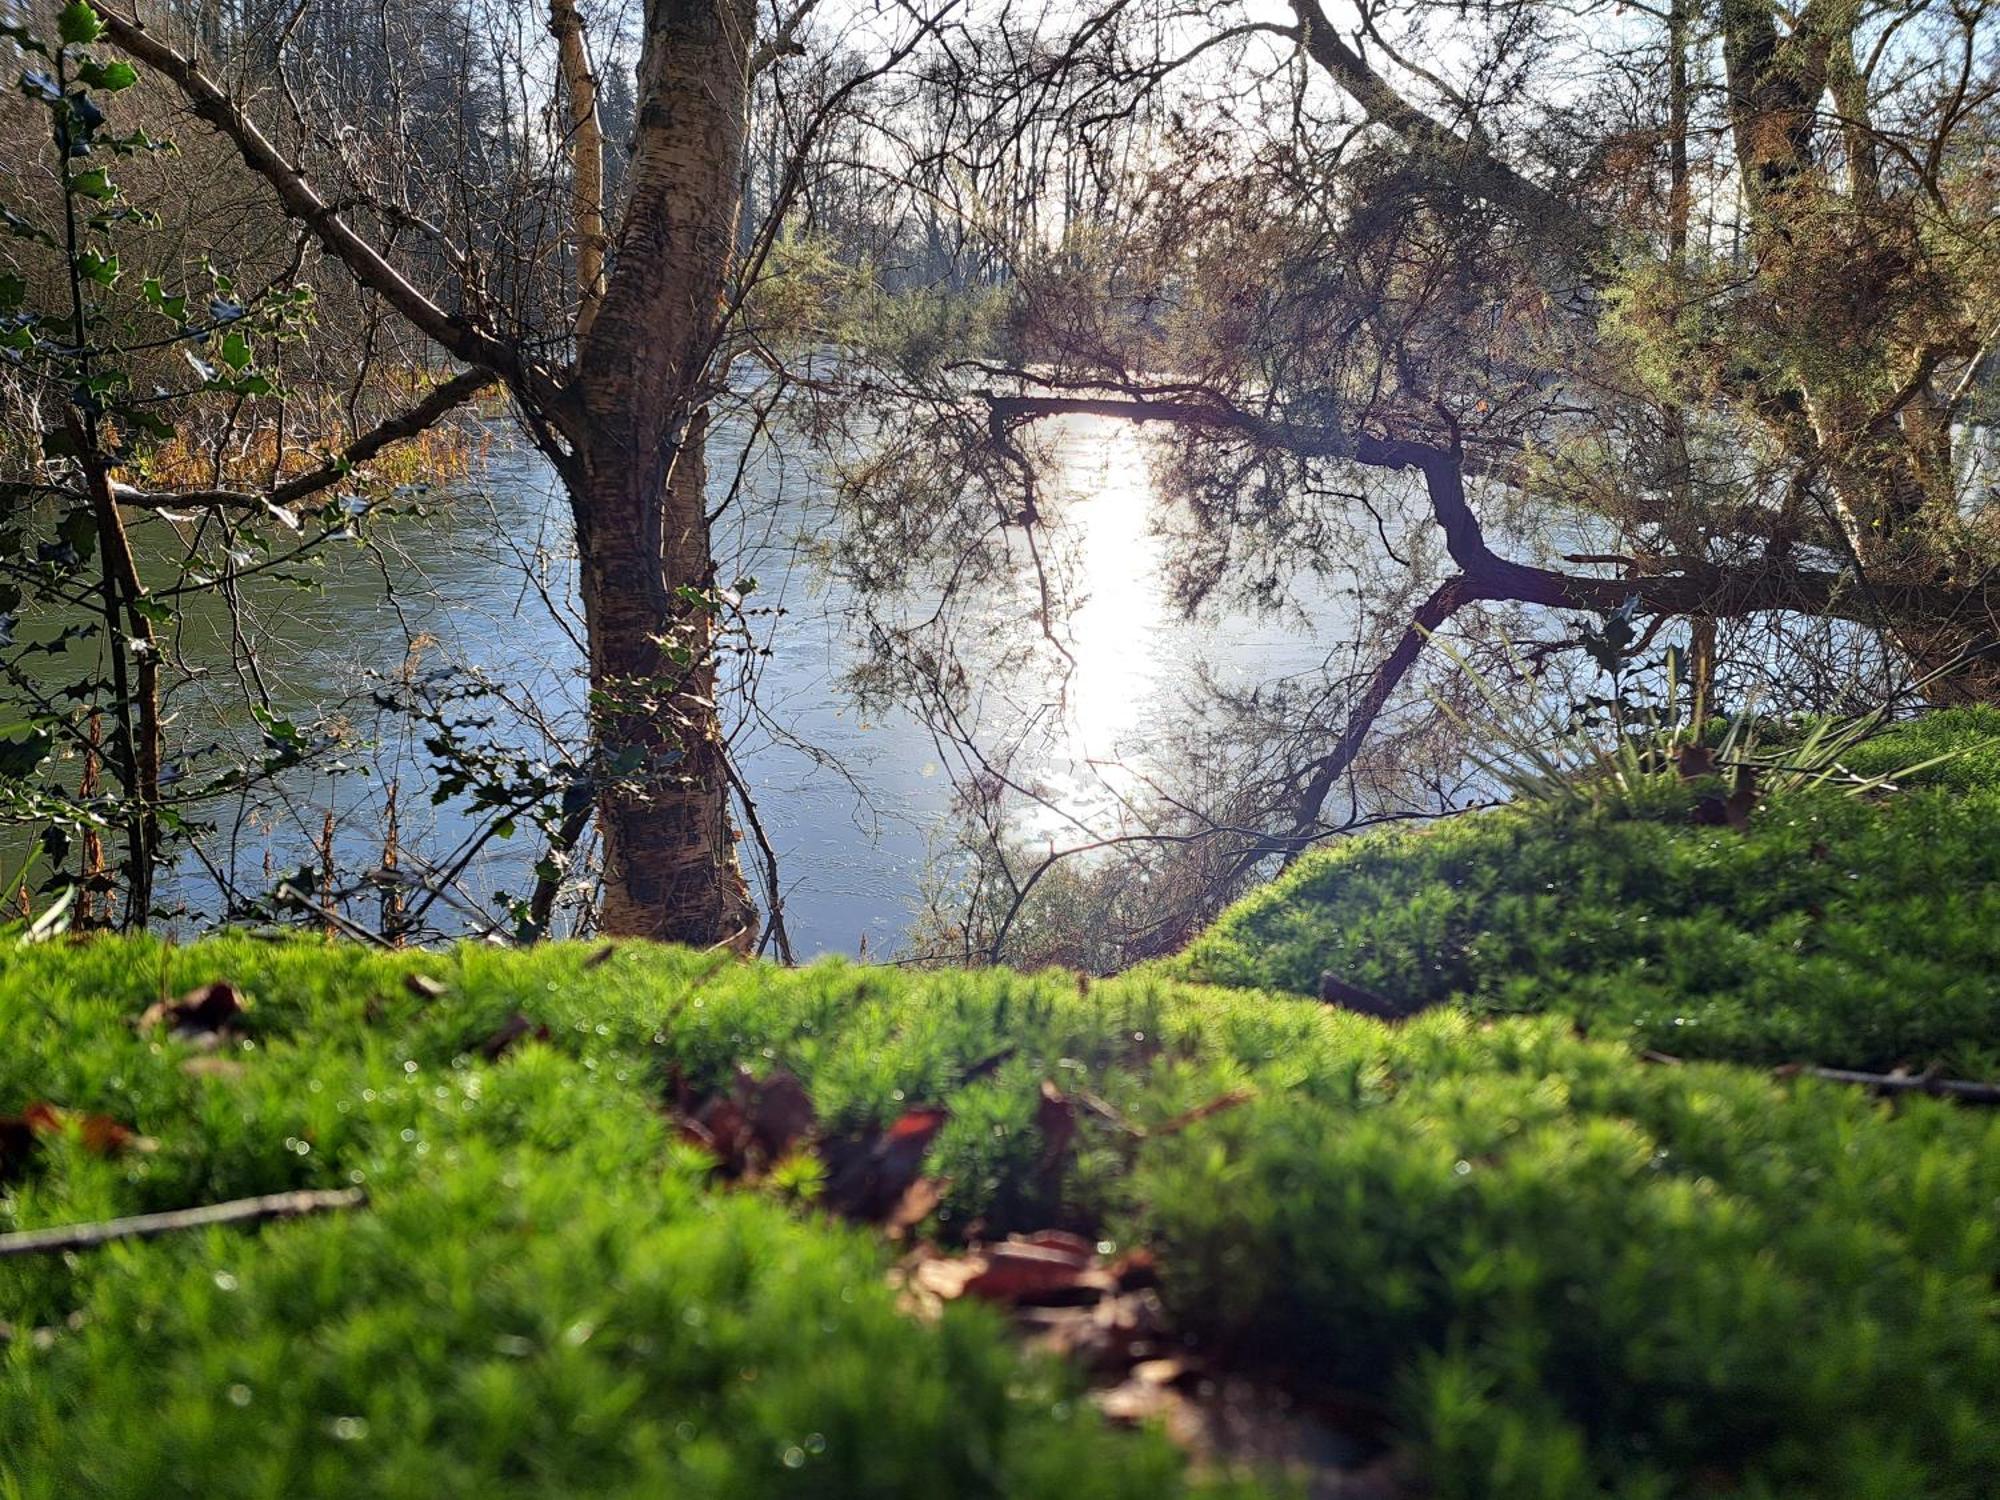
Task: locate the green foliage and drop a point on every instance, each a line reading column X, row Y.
column 1842, row 930
column 540, row 1299
column 1581, row 1276
column 1558, row 1270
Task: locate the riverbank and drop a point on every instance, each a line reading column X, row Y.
column 1467, row 1254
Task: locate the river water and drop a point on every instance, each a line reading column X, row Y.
column 858, row 805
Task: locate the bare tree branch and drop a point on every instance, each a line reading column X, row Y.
column 1537, row 206
column 442, row 400
column 65, row 1237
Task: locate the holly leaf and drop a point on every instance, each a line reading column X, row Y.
column 109, row 76
column 95, row 184
column 78, row 24
column 79, row 530
column 20, row 757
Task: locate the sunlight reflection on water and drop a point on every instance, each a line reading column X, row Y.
column 1133, row 655
column 856, row 805
column 1116, row 632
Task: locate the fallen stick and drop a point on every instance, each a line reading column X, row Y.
column 1964, row 1090
column 145, row 1226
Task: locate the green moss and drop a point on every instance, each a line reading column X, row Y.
column 1582, row 1276
column 543, row 1298
column 1545, row 1258
column 1842, row 930
column 1553, row 1269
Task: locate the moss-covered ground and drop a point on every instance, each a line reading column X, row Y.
column 1541, row 1265
column 1847, row 931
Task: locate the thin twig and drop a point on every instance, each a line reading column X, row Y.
column 1964, row 1090
column 145, row 1226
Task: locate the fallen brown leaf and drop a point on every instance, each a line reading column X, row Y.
column 516, row 1029
column 756, row 1123
column 424, row 987
column 781, row 1112
column 203, row 1014
column 721, row 1128
column 98, row 1134
column 868, row 1174
column 1018, row 1272
column 1061, row 1240
column 602, row 956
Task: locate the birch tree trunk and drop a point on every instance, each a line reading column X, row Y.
column 586, row 156
column 637, row 422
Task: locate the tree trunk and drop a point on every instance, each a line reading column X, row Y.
column 586, row 154
column 670, row 863
column 637, row 428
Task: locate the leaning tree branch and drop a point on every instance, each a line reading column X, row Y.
column 441, row 401
column 1486, row 173
column 459, row 335
column 1698, row 589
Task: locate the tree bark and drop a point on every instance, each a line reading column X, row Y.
column 671, row 871
column 638, row 425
